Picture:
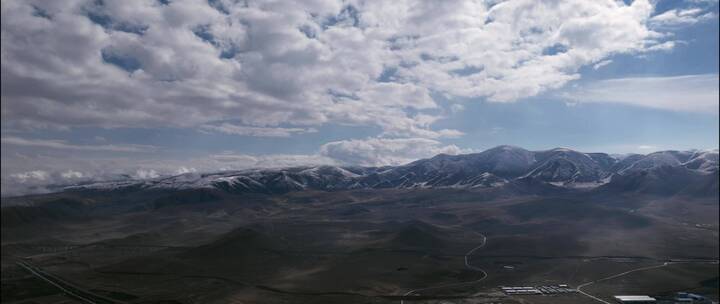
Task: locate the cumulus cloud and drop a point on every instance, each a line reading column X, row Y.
column 516, row 49
column 37, row 181
column 385, row 151
column 690, row 93
column 282, row 68
column 70, row 174
column 300, row 64
column 36, row 175
column 146, row 174
column 183, row 170
column 80, row 63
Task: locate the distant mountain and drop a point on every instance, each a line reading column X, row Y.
column 45, row 211
column 665, row 172
column 706, row 161
column 665, row 180
column 565, row 167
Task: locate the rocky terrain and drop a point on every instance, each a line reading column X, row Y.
column 451, row 228
column 496, row 167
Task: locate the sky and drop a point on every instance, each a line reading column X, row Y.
column 101, row 90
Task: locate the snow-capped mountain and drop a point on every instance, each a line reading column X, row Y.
column 658, row 159
column 705, row 161
column 495, row 167
column 566, row 166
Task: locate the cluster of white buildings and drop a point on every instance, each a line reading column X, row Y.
column 635, row 299
column 680, row 298
column 529, row 290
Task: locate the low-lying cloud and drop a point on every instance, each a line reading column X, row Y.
column 383, row 152
column 27, row 174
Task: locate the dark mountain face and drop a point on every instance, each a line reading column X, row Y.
column 505, row 161
column 625, row 162
column 666, row 180
column 702, row 161
column 666, row 172
column 658, row 159
column 568, row 166
column 603, row 160
column 44, row 211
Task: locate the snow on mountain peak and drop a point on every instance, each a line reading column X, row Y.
column 491, row 168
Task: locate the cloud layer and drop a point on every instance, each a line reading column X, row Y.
column 300, row 64
column 382, row 152
column 64, row 145
column 690, row 93
column 280, row 69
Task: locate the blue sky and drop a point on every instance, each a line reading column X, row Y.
column 150, row 89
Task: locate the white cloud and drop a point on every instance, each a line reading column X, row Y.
column 25, row 182
column 49, row 169
column 647, row 148
column 70, row 174
column 678, row 17
column 238, row 161
column 691, row 93
column 146, row 174
column 601, row 64
column 36, row 175
column 665, row 46
column 183, row 170
column 62, row 144
column 229, row 128
column 282, row 68
column 517, row 49
column 385, row 151
column 297, row 64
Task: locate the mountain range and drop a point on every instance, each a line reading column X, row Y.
column 665, row 172
column 297, row 234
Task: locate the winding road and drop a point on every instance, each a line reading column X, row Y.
column 86, row 296
column 467, row 265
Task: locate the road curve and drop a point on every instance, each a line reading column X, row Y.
column 581, row 286
column 467, row 265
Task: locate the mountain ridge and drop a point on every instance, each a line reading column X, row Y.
column 495, row 167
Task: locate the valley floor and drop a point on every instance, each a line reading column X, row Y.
column 364, row 246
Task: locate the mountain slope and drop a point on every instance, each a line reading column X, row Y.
column 665, row 172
